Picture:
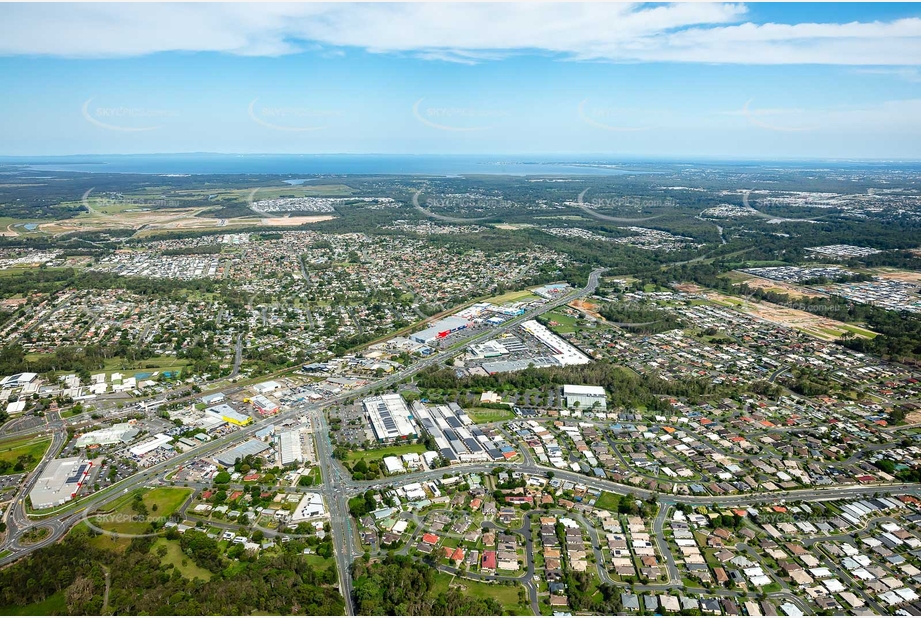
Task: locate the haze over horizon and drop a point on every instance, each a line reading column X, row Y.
column 734, row 81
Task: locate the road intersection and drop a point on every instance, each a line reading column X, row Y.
column 338, row 486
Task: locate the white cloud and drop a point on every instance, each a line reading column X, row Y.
column 476, row 32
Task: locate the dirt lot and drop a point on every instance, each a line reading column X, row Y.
column 900, row 275
column 296, row 220
column 781, row 288
column 587, row 308
column 821, row 328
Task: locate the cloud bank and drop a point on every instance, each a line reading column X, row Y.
column 471, row 33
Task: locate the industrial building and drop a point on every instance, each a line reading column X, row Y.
column 265, row 405
column 120, row 432
column 250, row 447
column 310, row 506
column 151, row 445
column 18, row 379
column 565, row 353
column 585, row 397
column 440, row 329
column 289, row 447
column 458, row 439
column 393, row 465
column 213, row 398
column 266, row 387
column 229, row 415
column 390, row 418
column 59, row 483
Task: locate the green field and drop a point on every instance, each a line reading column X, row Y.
column 56, row 604
column 488, row 415
column 507, row 596
column 607, row 501
column 513, row 297
column 160, row 502
column 175, row 558
column 34, row 447
column 379, row 453
column 567, row 323
column 315, row 476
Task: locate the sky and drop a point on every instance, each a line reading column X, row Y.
column 733, row 80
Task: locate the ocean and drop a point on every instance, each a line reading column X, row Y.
column 433, row 165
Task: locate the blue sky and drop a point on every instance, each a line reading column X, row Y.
column 727, row 80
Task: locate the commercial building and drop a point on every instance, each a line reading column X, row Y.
column 229, row 415
column 564, row 352
column 267, row 387
column 390, row 417
column 151, row 445
column 120, row 432
column 289, row 447
column 440, row 329
column 393, row 465
column 212, row 399
column 264, row 405
column 584, row 397
column 311, row 505
column 250, row 447
column 59, row 483
column 457, row 438
column 19, row 379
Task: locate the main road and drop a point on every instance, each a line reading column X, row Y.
column 60, row 520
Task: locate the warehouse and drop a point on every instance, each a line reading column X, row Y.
column 212, row 399
column 267, row 387
column 265, row 405
column 151, row 445
column 393, row 465
column 120, row 432
column 250, row 447
column 19, row 379
column 565, row 353
column 440, row 329
column 59, row 483
column 489, row 349
column 229, row 415
column 585, row 397
column 390, row 418
column 310, row 506
column 289, row 447
column 457, row 438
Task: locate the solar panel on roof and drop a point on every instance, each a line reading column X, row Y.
column 472, row 445
column 78, row 474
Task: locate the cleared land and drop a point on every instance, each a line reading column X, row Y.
column 507, row 596
column 175, row 558
column 803, row 321
column 30, row 449
column 296, row 220
column 513, row 297
column 378, row 453
column 159, row 502
column 488, row 415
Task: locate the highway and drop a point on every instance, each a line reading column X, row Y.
column 338, row 485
